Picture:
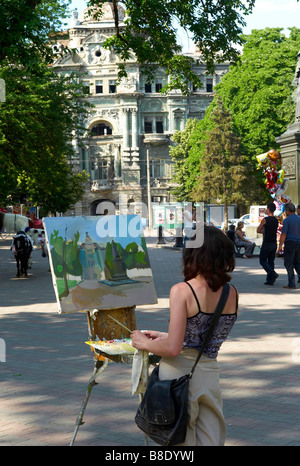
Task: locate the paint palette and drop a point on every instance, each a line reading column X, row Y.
column 113, row 347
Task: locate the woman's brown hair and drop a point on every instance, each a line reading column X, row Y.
column 213, row 260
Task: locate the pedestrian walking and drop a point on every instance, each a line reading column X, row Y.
column 268, row 227
column 290, row 237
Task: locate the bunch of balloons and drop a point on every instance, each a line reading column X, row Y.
column 271, row 163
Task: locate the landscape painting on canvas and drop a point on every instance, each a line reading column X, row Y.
column 99, row 262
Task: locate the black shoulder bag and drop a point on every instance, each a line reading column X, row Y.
column 162, row 414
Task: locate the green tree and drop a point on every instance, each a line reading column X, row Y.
column 26, row 26
column 187, row 154
column 37, row 121
column 259, row 89
column 223, row 173
column 260, row 94
column 179, row 153
column 42, row 111
column 150, row 32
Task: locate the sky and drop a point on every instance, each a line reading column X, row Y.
column 266, row 13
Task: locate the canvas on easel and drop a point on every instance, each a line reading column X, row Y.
column 99, row 262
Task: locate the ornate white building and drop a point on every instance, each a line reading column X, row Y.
column 129, row 129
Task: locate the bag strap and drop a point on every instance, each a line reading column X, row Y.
column 216, row 315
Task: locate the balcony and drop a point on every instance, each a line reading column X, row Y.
column 101, row 185
column 156, row 138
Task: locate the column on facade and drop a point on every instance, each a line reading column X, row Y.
column 130, row 152
column 215, row 80
column 135, row 144
column 165, row 125
column 125, row 129
column 183, row 119
column 171, row 119
column 135, row 135
column 153, row 124
column 85, row 159
column 117, row 161
column 177, row 121
column 126, row 148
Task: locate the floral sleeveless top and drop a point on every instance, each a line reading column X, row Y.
column 197, row 327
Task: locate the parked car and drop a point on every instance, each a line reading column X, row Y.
column 234, row 221
column 244, row 218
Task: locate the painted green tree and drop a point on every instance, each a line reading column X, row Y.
column 131, row 256
column 134, row 258
column 65, row 260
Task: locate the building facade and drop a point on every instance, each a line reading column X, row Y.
column 129, row 129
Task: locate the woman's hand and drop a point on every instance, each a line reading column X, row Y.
column 154, row 334
column 140, row 339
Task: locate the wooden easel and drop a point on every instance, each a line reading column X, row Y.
column 102, row 326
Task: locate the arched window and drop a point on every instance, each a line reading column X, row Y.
column 101, row 129
column 102, row 207
column 131, row 206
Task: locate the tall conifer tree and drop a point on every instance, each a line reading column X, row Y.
column 223, row 173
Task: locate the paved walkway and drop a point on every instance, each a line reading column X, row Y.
column 48, row 365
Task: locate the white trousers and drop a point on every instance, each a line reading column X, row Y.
column 206, row 425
